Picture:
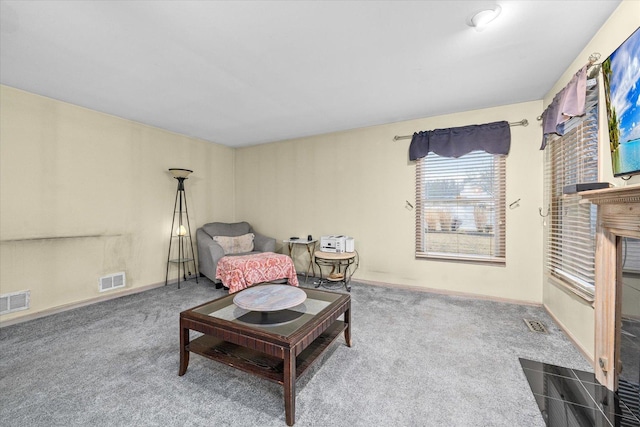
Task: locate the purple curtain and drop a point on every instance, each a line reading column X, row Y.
column 567, row 103
column 494, row 138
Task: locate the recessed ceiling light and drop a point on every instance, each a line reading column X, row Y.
column 480, row 19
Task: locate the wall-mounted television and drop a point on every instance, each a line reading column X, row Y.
column 621, row 75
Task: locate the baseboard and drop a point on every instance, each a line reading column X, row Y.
column 79, row 304
column 448, row 292
column 571, row 337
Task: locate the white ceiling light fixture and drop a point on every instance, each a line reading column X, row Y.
column 482, row 18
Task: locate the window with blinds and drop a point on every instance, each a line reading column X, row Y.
column 571, row 225
column 460, row 207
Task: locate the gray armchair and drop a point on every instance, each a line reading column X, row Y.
column 210, row 252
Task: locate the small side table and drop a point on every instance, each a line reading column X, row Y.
column 340, row 263
column 310, row 245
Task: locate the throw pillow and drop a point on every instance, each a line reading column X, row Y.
column 235, row 244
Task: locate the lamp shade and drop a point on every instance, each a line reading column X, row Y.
column 180, row 173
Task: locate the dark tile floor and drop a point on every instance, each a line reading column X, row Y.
column 568, row 397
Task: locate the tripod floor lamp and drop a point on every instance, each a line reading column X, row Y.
column 181, row 232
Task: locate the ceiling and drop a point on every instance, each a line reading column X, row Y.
column 242, row 73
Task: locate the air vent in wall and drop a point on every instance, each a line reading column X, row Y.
column 111, row 281
column 15, row 301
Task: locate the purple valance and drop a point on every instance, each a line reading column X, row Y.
column 569, row 102
column 494, row 138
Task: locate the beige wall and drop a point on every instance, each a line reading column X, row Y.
column 86, row 194
column 574, row 314
column 357, row 183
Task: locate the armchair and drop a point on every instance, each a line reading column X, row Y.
column 210, row 251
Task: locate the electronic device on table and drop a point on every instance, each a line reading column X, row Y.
column 337, row 244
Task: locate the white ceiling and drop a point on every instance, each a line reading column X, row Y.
column 242, row 73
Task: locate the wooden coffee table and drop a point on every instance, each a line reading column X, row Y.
column 278, row 346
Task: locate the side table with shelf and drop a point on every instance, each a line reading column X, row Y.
column 340, row 263
column 310, row 245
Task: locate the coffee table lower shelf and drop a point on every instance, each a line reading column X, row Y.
column 261, row 364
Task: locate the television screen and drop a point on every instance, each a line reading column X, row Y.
column 621, row 75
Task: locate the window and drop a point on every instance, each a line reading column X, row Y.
column 571, row 225
column 460, row 207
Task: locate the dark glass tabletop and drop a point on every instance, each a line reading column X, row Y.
column 281, row 322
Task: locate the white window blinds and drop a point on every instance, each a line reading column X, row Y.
column 570, row 240
column 460, row 207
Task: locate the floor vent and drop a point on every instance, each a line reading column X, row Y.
column 629, row 394
column 535, row 326
column 15, row 301
column 111, row 281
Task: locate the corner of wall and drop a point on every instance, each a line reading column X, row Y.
column 234, row 181
column 572, row 314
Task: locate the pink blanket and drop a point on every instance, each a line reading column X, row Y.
column 240, row 272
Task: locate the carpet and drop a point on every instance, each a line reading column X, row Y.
column 418, row 359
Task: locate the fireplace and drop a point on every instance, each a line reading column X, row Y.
column 618, row 233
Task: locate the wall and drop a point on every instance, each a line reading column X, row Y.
column 573, row 313
column 86, row 194
column 357, row 183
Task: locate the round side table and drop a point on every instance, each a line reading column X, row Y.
column 340, row 263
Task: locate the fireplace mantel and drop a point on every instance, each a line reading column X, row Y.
column 616, row 195
column 618, row 216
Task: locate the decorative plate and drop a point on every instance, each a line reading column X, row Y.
column 270, row 297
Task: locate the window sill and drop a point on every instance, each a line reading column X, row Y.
column 582, row 294
column 463, row 232
column 463, row 259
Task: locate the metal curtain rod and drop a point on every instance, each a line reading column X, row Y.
column 523, row 122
